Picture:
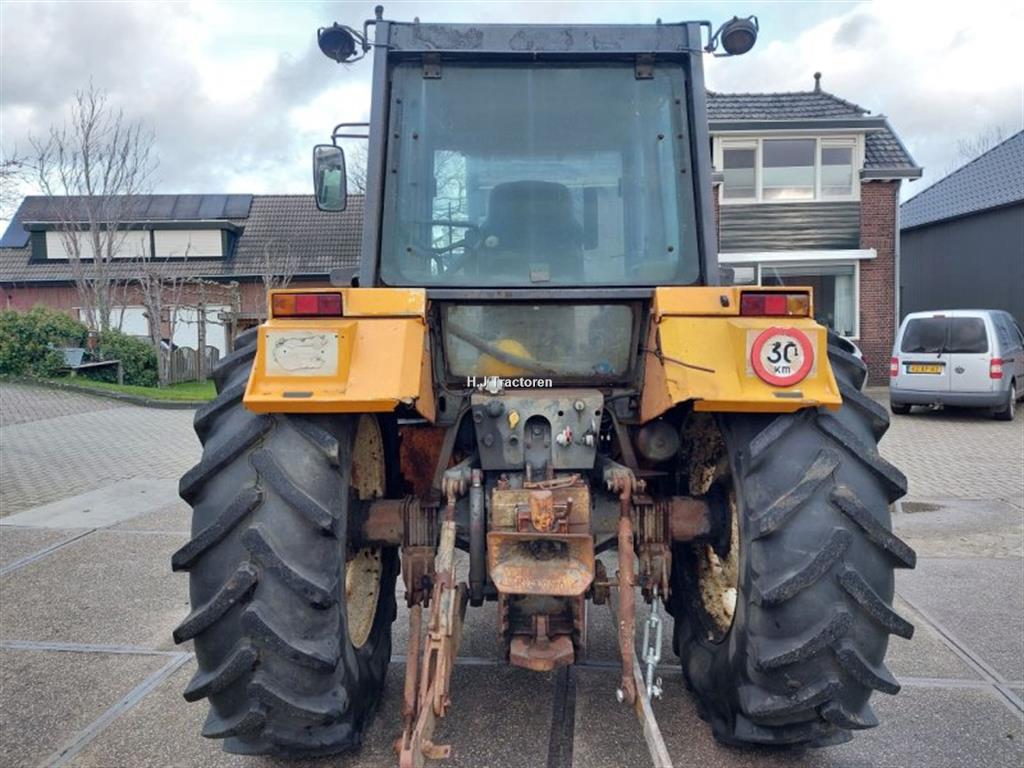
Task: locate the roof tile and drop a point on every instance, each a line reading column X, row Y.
column 992, row 179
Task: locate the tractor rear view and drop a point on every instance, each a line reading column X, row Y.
column 535, row 364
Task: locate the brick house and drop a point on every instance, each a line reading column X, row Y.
column 807, row 190
column 807, row 187
column 223, row 239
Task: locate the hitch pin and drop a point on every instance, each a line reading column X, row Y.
column 652, row 650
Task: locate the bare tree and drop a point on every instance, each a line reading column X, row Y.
column 162, row 287
column 278, row 267
column 974, row 146
column 15, row 171
column 93, row 168
column 355, row 167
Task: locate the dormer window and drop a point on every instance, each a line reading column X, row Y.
column 788, row 169
column 161, row 240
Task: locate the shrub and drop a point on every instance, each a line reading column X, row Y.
column 27, row 340
column 138, row 359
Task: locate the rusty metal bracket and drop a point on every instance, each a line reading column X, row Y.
column 642, row 708
column 428, row 675
column 627, row 598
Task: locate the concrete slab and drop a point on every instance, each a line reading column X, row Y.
column 175, row 515
column 920, row 728
column 500, row 716
column 107, row 588
column 925, row 654
column 979, row 601
column 98, row 508
column 18, row 543
column 607, row 734
column 928, row 727
column 47, row 697
column 961, row 528
column 163, row 730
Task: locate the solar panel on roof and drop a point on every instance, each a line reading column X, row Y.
column 237, row 206
column 161, row 207
column 187, row 207
column 212, row 206
column 16, row 235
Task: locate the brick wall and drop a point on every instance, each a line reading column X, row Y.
column 878, row 200
column 65, row 297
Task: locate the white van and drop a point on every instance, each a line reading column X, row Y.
column 965, row 357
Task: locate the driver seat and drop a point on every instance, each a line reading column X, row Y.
column 530, row 226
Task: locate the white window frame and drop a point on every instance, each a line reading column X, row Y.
column 740, row 141
column 800, row 263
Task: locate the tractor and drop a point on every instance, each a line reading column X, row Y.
column 537, row 389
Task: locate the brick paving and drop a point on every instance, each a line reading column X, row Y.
column 23, row 403
column 55, row 444
column 957, row 454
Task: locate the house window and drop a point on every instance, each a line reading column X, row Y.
column 785, row 170
column 739, row 165
column 188, row 243
column 788, row 169
column 836, row 169
column 835, row 295
column 133, row 244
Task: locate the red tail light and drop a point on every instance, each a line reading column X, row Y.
column 306, row 305
column 894, row 367
column 763, row 304
column 995, row 368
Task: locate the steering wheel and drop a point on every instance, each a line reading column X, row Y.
column 433, row 252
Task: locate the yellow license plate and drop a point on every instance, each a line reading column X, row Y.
column 924, row 369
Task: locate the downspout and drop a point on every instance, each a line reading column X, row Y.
column 896, row 259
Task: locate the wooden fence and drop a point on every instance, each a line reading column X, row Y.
column 185, row 364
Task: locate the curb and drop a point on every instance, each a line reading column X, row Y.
column 145, row 402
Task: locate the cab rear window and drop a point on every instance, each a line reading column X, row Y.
column 937, row 335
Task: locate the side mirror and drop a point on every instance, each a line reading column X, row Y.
column 329, row 182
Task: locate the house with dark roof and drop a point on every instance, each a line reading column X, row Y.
column 962, row 238
column 225, row 239
column 807, row 186
column 807, row 189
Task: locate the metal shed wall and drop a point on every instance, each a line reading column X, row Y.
column 973, row 262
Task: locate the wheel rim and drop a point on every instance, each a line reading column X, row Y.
column 718, row 560
column 364, row 567
column 718, row 571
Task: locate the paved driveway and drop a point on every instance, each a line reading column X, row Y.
column 89, row 676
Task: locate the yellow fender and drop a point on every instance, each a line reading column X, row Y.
column 371, row 359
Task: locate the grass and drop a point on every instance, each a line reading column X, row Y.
column 189, row 390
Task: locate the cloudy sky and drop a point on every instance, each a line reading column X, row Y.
column 237, row 92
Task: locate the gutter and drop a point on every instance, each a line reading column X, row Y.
column 819, row 123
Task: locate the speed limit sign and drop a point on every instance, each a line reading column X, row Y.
column 782, row 356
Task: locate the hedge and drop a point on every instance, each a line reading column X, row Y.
column 28, row 339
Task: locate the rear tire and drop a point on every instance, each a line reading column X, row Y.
column 814, row 591
column 1009, row 409
column 267, row 567
column 900, row 409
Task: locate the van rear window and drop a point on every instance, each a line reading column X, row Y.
column 926, row 334
column 967, row 335
column 956, row 335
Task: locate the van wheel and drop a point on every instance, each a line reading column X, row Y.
column 900, row 409
column 291, row 624
column 1008, row 411
column 783, row 617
